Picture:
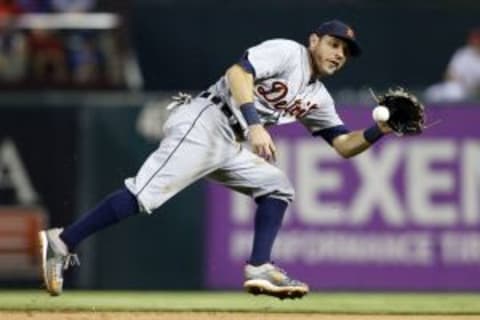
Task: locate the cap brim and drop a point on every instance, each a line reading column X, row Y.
column 353, row 46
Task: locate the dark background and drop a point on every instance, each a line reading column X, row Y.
column 189, row 44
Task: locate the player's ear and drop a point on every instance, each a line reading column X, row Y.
column 313, row 39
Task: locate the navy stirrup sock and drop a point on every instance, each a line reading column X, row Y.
column 268, row 219
column 114, row 208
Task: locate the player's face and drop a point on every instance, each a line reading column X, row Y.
column 328, row 53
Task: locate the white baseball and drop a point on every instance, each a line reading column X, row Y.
column 380, row 113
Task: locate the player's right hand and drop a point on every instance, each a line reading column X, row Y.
column 261, row 142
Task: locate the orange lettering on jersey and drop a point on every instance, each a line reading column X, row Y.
column 282, row 105
column 275, row 97
column 277, row 92
column 299, row 109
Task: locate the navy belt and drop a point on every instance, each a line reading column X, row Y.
column 232, row 120
column 211, row 97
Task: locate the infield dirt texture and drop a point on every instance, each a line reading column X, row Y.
column 205, row 316
column 123, row 305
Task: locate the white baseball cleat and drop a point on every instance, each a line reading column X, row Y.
column 270, row 280
column 55, row 260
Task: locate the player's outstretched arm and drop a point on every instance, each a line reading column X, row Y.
column 355, row 142
column 405, row 116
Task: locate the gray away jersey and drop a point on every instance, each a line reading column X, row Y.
column 283, row 93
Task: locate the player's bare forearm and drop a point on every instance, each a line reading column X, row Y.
column 350, row 144
column 241, row 84
column 353, row 143
column 241, row 87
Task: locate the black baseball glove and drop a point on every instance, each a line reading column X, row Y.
column 407, row 114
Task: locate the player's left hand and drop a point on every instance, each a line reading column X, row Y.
column 262, row 143
column 384, row 127
column 407, row 113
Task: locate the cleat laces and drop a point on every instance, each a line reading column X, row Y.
column 71, row 260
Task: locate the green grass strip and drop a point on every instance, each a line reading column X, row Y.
column 208, row 301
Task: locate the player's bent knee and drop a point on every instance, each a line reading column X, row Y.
column 286, row 195
column 279, row 187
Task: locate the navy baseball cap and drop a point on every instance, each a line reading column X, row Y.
column 343, row 31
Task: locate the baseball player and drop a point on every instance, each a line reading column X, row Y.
column 275, row 82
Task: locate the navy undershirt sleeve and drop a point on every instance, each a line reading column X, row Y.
column 246, row 65
column 329, row 134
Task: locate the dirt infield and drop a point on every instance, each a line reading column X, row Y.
column 210, row 315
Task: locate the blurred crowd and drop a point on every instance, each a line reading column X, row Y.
column 462, row 75
column 60, row 58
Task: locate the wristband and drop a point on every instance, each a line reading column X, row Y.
column 250, row 114
column 373, row 134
